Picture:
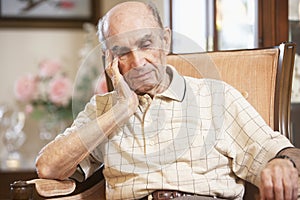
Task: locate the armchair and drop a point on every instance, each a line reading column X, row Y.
column 263, row 76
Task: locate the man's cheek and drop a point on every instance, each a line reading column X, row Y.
column 153, row 58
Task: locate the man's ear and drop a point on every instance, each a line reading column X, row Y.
column 167, row 40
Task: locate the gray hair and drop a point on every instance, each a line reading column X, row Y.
column 150, row 5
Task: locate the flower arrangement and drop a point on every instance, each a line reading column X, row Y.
column 48, row 92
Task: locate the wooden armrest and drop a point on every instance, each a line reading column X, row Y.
column 64, row 190
column 50, row 188
column 91, row 188
column 42, row 188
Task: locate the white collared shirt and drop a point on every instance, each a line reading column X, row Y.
column 199, row 136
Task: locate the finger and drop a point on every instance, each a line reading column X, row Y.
column 123, row 88
column 290, row 182
column 113, row 70
column 288, row 189
column 295, row 192
column 295, row 184
column 108, row 64
column 262, row 194
column 108, row 58
column 278, row 185
column 266, row 186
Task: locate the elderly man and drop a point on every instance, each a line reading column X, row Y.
column 159, row 131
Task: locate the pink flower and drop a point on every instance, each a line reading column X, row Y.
column 25, row 88
column 60, row 90
column 48, row 68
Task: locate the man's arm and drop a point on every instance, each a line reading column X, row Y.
column 59, row 159
column 279, row 179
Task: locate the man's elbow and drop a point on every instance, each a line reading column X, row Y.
column 46, row 170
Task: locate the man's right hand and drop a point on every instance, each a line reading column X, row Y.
column 126, row 97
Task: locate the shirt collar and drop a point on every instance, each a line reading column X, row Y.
column 176, row 89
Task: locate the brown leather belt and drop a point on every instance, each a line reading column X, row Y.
column 171, row 194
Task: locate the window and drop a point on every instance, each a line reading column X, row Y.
column 294, row 34
column 236, row 24
column 190, row 25
column 196, row 27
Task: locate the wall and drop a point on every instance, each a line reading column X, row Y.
column 20, row 52
column 21, row 49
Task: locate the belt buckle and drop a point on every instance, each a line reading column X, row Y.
column 163, row 195
column 160, row 195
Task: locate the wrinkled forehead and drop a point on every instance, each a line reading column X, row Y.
column 131, row 39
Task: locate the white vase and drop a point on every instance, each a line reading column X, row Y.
column 13, row 138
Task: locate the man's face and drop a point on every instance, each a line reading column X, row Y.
column 141, row 56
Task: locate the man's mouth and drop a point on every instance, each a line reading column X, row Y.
column 143, row 75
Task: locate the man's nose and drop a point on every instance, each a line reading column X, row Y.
column 136, row 58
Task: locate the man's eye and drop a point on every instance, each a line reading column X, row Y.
column 146, row 45
column 121, row 53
